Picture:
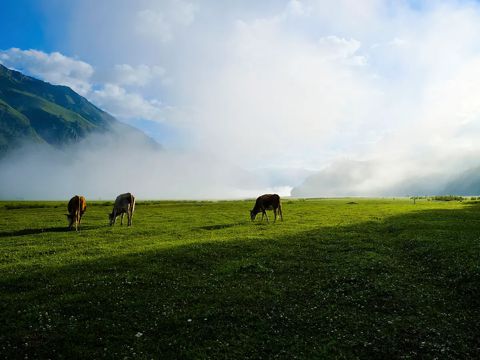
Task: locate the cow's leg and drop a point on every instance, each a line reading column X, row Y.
column 130, row 216
column 266, row 215
column 280, row 212
column 263, row 215
column 121, row 220
column 274, row 215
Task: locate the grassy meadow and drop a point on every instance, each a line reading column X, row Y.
column 339, row 278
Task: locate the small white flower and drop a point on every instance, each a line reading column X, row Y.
column 138, row 334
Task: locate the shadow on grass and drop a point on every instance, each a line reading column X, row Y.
column 34, row 231
column 29, row 206
column 404, row 287
column 219, row 226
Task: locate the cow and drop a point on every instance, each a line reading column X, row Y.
column 124, row 203
column 267, row 202
column 76, row 208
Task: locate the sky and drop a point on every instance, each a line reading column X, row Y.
column 284, row 88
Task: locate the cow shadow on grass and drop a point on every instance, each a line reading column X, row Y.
column 34, row 231
column 219, row 226
column 403, row 286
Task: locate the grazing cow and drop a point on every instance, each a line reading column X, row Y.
column 267, row 202
column 76, row 208
column 124, row 203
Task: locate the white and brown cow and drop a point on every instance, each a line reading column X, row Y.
column 124, row 204
column 76, row 208
column 267, row 202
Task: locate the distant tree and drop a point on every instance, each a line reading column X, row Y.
column 448, row 198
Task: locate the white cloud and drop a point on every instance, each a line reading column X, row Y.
column 183, row 12
column 336, row 48
column 54, row 67
column 279, row 97
column 126, row 105
column 141, row 75
column 161, row 24
column 430, row 76
column 79, row 75
column 297, row 8
column 154, row 24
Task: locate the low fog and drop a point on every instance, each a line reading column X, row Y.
column 105, row 165
column 371, row 178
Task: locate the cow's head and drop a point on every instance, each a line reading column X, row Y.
column 111, row 218
column 253, row 214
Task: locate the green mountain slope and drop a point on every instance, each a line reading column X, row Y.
column 14, row 128
column 35, row 111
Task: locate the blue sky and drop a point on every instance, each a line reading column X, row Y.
column 23, row 25
column 278, row 84
column 33, row 24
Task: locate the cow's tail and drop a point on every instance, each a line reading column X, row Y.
column 131, row 209
column 132, row 201
column 78, row 206
column 280, row 208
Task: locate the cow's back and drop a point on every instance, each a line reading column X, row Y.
column 124, row 200
column 73, row 204
column 267, row 201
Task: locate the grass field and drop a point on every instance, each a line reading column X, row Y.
column 193, row 280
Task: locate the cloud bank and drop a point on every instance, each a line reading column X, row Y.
column 115, row 89
column 391, row 86
column 104, row 165
column 54, row 67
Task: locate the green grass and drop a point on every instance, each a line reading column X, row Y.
column 374, row 279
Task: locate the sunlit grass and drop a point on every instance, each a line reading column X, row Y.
column 377, row 278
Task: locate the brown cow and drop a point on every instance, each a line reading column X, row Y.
column 124, row 203
column 267, row 202
column 76, row 208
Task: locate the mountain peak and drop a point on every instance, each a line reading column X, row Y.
column 33, row 110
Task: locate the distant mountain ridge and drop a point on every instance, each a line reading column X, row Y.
column 348, row 178
column 34, row 111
